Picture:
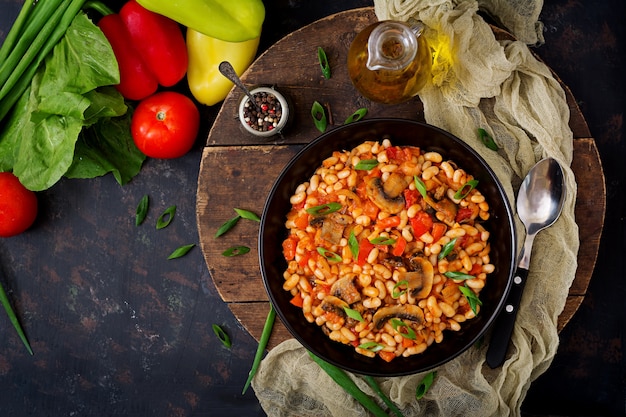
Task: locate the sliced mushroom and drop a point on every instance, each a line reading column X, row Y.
column 395, row 185
column 376, row 193
column 345, row 289
column 334, row 304
column 420, row 277
column 333, row 227
column 401, row 311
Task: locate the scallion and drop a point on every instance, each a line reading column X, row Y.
column 447, row 248
column 425, row 384
column 458, row 275
column 330, row 255
column 398, row 325
column 374, row 385
column 265, row 336
column 248, row 215
column 345, row 382
column 353, row 243
column 324, row 209
column 400, row 288
column 382, row 240
column 236, row 251
column 319, row 116
column 166, row 217
column 356, row 116
column 487, row 140
column 366, row 164
column 13, row 318
column 420, row 186
column 181, row 251
column 472, row 298
column 462, row 192
column 323, row 59
column 229, row 224
column 353, row 314
column 142, row 210
column 222, row 335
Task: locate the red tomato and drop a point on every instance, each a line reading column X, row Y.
column 18, row 206
column 165, row 125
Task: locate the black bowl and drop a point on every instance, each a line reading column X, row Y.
column 401, row 132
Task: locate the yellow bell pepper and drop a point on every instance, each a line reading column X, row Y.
column 228, row 20
column 206, row 82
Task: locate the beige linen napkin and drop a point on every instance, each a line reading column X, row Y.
column 501, row 87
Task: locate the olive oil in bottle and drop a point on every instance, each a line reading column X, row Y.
column 389, row 62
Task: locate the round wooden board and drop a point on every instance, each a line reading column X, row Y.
column 238, row 169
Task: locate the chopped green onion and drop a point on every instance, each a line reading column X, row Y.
column 142, row 210
column 371, row 346
column 324, row 209
column 236, row 251
column 472, row 298
column 447, row 248
column 487, row 140
column 382, row 240
column 425, row 384
column 345, row 382
column 374, row 385
column 469, row 186
column 421, row 187
column 353, row 243
column 265, row 336
column 458, row 275
column 248, row 215
column 229, row 224
column 321, row 56
column 13, row 318
column 181, row 251
column 221, row 334
column 399, row 289
column 398, row 325
column 330, row 255
column 366, row 164
column 353, row 314
column 166, row 217
column 319, row 116
column 356, row 116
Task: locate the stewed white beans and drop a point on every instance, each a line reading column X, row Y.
column 386, row 248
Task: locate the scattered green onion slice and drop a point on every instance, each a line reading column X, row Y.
column 13, row 318
column 425, row 384
column 181, row 251
column 248, row 215
column 330, row 255
column 458, row 275
column 221, row 334
column 324, row 209
column 447, row 248
column 236, row 251
column 371, row 346
column 142, row 210
column 321, row 56
column 356, row 116
column 366, row 164
column 166, row 217
column 399, row 289
column 344, row 381
column 487, row 140
column 465, row 189
column 319, row 116
column 398, row 324
column 472, row 298
column 229, row 224
column 421, row 187
column 353, row 243
column 383, row 240
column 374, row 385
column 265, row 336
column 353, row 314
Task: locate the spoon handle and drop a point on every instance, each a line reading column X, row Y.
column 502, row 329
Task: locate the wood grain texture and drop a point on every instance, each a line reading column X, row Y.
column 238, row 169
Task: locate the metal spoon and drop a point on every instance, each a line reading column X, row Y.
column 229, row 72
column 539, row 204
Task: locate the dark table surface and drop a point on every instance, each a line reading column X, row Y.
column 119, row 330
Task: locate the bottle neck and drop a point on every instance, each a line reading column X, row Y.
column 391, row 46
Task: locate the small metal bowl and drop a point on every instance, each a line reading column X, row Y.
column 277, row 127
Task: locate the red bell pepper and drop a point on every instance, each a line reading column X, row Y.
column 150, row 49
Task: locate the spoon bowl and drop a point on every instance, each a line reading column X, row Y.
column 539, row 204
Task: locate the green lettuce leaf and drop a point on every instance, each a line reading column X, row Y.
column 69, row 94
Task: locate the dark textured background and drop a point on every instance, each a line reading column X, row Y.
column 119, row 330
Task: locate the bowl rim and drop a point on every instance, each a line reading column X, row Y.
column 374, row 371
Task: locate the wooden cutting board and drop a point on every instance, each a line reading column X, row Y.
column 238, row 169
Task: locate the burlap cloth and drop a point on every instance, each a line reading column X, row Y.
column 502, row 87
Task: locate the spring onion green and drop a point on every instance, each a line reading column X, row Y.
column 345, row 382
column 425, row 384
column 166, row 217
column 319, row 116
column 465, row 189
column 247, row 214
column 353, row 314
column 356, row 116
column 13, row 318
column 366, row 164
column 374, row 385
column 487, row 140
column 265, row 336
column 142, row 210
column 229, row 224
column 323, row 59
column 181, row 251
column 222, row 335
column 236, row 251
column 324, row 209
